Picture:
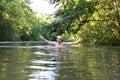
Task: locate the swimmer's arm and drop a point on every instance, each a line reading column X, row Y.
column 47, row 41
column 71, row 43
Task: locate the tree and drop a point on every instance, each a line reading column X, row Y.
column 16, row 19
column 92, row 20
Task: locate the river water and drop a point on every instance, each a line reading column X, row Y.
column 38, row 61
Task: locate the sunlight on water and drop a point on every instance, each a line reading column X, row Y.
column 48, row 65
column 35, row 61
column 44, row 62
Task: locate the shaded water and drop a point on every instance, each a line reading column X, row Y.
column 36, row 61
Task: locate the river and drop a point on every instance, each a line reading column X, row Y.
column 39, row 61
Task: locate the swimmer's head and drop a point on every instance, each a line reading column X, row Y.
column 59, row 39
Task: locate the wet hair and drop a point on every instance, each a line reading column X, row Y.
column 59, row 37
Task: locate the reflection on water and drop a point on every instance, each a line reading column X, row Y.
column 44, row 68
column 35, row 61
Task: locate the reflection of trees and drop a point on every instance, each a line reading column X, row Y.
column 90, row 64
column 12, row 63
column 102, row 63
column 3, row 64
column 85, row 63
column 119, row 57
column 74, row 67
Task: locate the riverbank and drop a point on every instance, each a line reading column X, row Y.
column 19, row 42
column 104, row 44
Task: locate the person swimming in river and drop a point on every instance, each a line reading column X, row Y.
column 58, row 42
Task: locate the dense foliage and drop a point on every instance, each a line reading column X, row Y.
column 95, row 21
column 18, row 21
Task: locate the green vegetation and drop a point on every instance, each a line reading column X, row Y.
column 18, row 21
column 96, row 21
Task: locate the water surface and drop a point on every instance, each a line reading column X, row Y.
column 37, row 61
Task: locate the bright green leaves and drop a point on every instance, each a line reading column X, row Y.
column 95, row 21
column 16, row 20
